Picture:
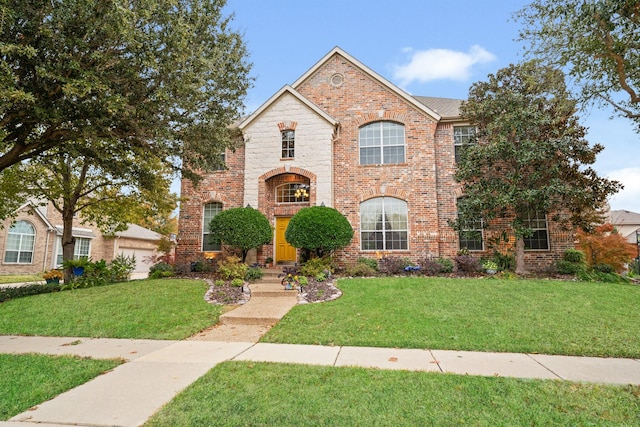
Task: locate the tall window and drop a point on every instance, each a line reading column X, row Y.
column 470, row 236
column 539, row 240
column 82, row 249
column 462, row 136
column 292, row 193
column 383, row 224
column 288, row 144
column 20, row 243
column 381, row 143
column 210, row 210
column 222, row 165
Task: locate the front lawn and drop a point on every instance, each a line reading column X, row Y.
column 28, row 380
column 153, row 309
column 262, row 394
column 523, row 316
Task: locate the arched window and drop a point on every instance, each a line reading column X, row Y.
column 210, row 210
column 383, row 224
column 381, row 143
column 20, row 243
column 292, row 193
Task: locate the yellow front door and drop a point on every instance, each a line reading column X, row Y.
column 284, row 251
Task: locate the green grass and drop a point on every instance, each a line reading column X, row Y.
column 20, row 278
column 154, row 309
column 28, row 380
column 261, row 394
column 530, row 316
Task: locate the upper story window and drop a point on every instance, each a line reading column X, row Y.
column 384, row 224
column 288, row 144
column 462, row 136
column 222, row 165
column 20, row 243
column 539, row 240
column 210, row 210
column 292, row 193
column 382, row 143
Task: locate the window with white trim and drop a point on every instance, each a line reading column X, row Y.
column 292, row 193
column 81, row 249
column 384, row 224
column 539, row 240
column 288, row 144
column 209, row 211
column 462, row 137
column 21, row 239
column 470, row 237
column 382, row 143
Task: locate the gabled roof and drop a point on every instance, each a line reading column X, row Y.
column 137, row 232
column 448, row 108
column 366, row 70
column 38, row 212
column 623, row 217
column 291, row 91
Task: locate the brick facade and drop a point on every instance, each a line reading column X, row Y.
column 327, row 106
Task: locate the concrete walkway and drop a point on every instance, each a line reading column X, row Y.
column 156, row 371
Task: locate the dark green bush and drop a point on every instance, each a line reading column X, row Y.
column 574, row 255
column 603, row 268
column 241, row 228
column 447, row 265
column 28, row 290
column 319, row 229
column 372, row 263
column 121, row 267
column 161, row 269
column 253, row 274
column 504, row 261
column 568, row 267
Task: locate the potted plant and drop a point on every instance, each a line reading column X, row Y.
column 77, row 265
column 490, row 267
column 268, row 262
column 52, row 276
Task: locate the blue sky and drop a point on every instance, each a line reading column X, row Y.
column 429, row 48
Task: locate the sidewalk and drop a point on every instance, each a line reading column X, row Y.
column 158, row 370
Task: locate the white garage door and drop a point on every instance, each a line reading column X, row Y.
column 142, row 268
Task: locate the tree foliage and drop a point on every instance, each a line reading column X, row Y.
column 163, row 78
column 606, row 246
column 597, row 41
column 242, row 228
column 319, row 229
column 531, row 154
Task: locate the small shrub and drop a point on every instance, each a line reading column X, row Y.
column 370, row 262
column 253, row 274
column 219, row 282
column 201, row 266
column 598, row 276
column 430, row 267
column 394, row 265
column 573, row 255
column 315, row 266
column 231, row 268
column 121, row 267
column 237, row 282
column 467, row 264
column 359, row 269
column 447, row 264
column 321, row 277
column 603, row 268
column 568, row 267
column 504, row 261
column 161, row 269
column 303, row 280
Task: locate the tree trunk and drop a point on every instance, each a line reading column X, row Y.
column 68, row 241
column 520, row 268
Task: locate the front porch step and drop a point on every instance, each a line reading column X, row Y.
column 263, row 311
column 271, row 289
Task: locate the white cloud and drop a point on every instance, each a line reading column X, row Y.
column 629, row 198
column 439, row 64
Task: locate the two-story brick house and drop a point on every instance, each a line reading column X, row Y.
column 343, row 136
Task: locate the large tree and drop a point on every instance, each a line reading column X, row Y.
column 164, row 76
column 530, row 156
column 596, row 41
column 127, row 190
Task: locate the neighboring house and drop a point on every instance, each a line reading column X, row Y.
column 627, row 223
column 31, row 242
column 343, row 136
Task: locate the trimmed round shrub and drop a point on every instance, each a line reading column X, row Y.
column 241, row 228
column 446, row 264
column 319, row 229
